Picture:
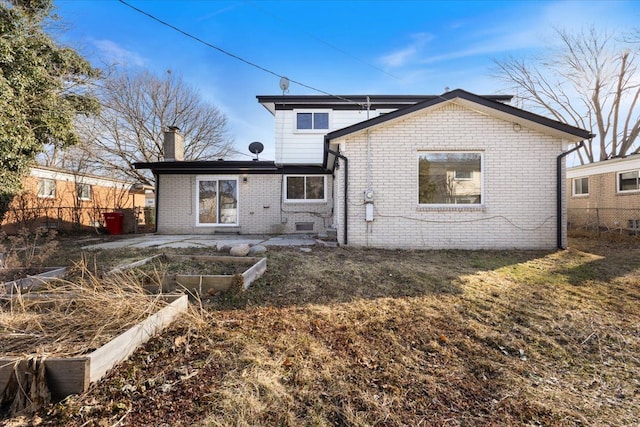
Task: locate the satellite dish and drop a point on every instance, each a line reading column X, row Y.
column 256, row 148
column 284, row 84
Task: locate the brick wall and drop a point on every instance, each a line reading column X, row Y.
column 259, row 204
column 519, row 188
column 603, row 207
column 65, row 211
column 603, row 194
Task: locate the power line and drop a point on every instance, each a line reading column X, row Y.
column 332, row 46
column 236, row 57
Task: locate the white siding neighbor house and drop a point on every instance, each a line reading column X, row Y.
column 455, row 170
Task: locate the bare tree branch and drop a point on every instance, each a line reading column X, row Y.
column 137, row 108
column 589, row 80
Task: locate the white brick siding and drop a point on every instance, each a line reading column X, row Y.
column 259, row 204
column 519, row 193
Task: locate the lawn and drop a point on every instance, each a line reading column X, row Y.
column 363, row 337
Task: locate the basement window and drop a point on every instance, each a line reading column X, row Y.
column 304, row 226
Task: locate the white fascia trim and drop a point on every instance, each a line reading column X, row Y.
column 605, row 166
column 81, row 179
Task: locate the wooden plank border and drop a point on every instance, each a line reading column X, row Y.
column 33, row 282
column 254, row 272
column 197, row 284
column 73, row 375
column 120, row 348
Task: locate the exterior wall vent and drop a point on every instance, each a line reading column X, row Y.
column 304, row 226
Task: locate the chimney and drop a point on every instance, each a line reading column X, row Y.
column 173, row 145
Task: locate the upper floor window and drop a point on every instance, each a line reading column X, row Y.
column 628, row 181
column 84, row 191
column 305, row 188
column 309, row 121
column 462, row 174
column 449, row 178
column 581, row 186
column 46, row 188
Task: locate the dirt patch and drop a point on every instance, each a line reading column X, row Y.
column 167, row 265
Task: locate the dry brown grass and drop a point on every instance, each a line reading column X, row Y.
column 74, row 316
column 392, row 338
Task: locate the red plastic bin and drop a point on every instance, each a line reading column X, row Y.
column 114, row 222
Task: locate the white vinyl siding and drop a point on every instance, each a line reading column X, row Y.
column 302, row 147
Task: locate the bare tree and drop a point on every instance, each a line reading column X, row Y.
column 591, row 81
column 137, row 108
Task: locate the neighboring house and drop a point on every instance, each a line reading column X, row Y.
column 55, row 198
column 605, row 194
column 456, row 170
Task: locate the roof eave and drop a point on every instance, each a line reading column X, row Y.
column 567, row 131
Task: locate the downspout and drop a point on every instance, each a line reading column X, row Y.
column 346, row 191
column 157, row 179
column 559, row 192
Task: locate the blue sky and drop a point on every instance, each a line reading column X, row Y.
column 339, row 47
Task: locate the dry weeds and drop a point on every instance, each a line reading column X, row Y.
column 392, row 338
column 70, row 318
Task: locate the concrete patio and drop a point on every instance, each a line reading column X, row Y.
column 201, row 241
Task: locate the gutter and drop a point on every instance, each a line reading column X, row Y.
column 346, row 191
column 559, row 193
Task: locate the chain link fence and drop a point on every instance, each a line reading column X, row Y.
column 604, row 220
column 74, row 219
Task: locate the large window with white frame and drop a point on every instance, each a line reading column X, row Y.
column 450, row 178
column 46, row 188
column 217, row 201
column 305, row 188
column 310, row 121
column 628, row 181
column 581, row 186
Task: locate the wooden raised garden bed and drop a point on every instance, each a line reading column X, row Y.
column 29, row 281
column 200, row 274
column 65, row 376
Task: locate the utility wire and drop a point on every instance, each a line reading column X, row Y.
column 219, row 49
column 332, row 46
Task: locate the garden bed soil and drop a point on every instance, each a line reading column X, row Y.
column 197, row 274
column 202, row 266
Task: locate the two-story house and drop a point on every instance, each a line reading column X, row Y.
column 456, row 170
